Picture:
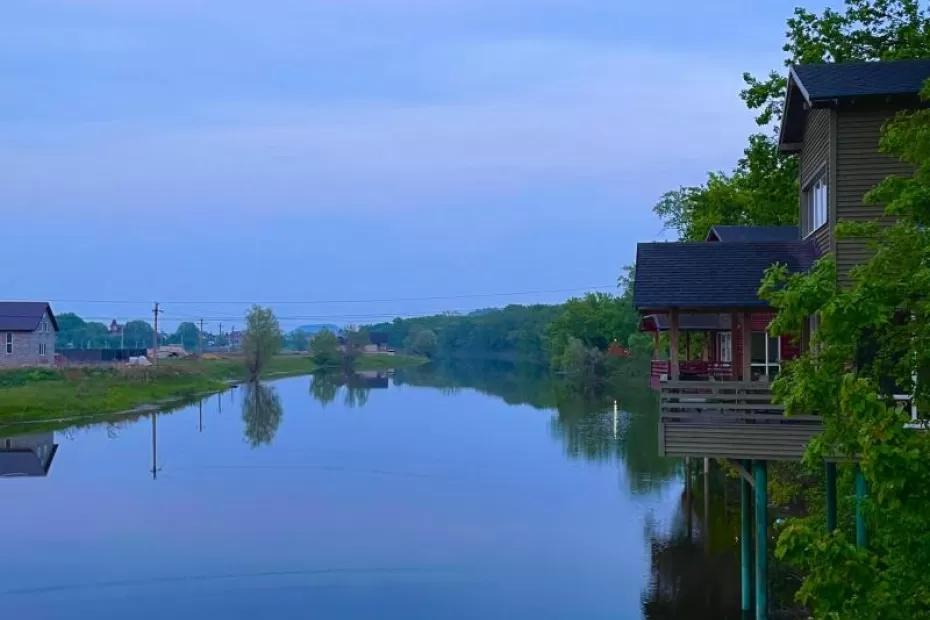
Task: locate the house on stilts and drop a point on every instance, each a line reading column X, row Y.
column 715, row 391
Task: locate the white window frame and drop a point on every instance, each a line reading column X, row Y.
column 725, row 347
column 8, row 343
column 43, row 348
column 816, row 204
column 767, row 366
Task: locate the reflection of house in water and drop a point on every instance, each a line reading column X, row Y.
column 27, row 455
column 370, row 379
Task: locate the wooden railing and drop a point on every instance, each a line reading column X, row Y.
column 728, row 398
column 693, row 368
column 729, row 419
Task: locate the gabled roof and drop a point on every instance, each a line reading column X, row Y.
column 24, row 316
column 717, row 276
column 825, row 84
column 753, row 233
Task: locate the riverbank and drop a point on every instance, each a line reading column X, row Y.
column 33, row 395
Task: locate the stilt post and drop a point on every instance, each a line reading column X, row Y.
column 861, row 536
column 673, row 360
column 745, row 541
column 830, row 476
column 760, row 475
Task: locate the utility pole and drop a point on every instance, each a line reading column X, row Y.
column 155, row 311
column 200, row 338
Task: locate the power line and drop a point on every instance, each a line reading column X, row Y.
column 341, row 301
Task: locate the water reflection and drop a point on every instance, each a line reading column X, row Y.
column 452, row 479
column 27, row 455
column 694, row 570
column 261, row 412
column 326, row 384
column 586, row 422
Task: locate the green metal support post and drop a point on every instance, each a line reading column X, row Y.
column 830, row 472
column 745, row 541
column 760, row 477
column 861, row 537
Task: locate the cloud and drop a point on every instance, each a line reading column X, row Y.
column 627, row 120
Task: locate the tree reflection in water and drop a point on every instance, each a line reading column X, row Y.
column 585, row 418
column 694, row 565
column 261, row 412
column 325, row 386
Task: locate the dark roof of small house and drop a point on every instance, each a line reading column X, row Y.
column 753, row 233
column 702, row 275
column 687, row 322
column 838, row 80
column 824, row 84
column 24, row 316
column 24, row 463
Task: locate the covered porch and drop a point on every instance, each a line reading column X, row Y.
column 715, row 388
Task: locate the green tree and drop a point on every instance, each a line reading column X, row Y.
column 762, row 189
column 137, row 334
column 871, row 343
column 187, row 335
column 262, row 339
column 324, row 346
column 423, row 342
column 595, row 320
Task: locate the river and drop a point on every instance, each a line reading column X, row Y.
column 467, row 491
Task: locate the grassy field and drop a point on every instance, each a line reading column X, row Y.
column 32, row 395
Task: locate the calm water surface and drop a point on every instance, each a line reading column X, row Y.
column 434, row 493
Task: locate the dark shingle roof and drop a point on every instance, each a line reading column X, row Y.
column 23, row 316
column 820, row 85
column 711, row 275
column 23, row 463
column 825, row 81
column 753, row 233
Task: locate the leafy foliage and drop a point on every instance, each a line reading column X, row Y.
column 762, row 189
column 324, row 346
column 262, row 339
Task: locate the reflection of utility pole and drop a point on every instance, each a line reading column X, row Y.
column 219, row 402
column 154, row 447
column 200, row 416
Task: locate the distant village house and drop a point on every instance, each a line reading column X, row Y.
column 27, row 334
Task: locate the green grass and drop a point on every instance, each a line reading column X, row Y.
column 34, row 395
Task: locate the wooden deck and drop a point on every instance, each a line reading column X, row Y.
column 729, row 419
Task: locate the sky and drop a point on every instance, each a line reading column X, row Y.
column 428, row 154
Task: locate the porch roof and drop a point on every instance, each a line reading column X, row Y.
column 686, row 322
column 711, row 276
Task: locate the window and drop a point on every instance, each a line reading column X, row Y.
column 765, row 354
column 9, row 342
column 815, row 204
column 43, row 348
column 725, row 347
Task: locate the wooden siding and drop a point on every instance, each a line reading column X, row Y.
column 815, row 158
column 860, row 167
column 729, row 419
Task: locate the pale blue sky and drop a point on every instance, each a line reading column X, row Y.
column 311, row 149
